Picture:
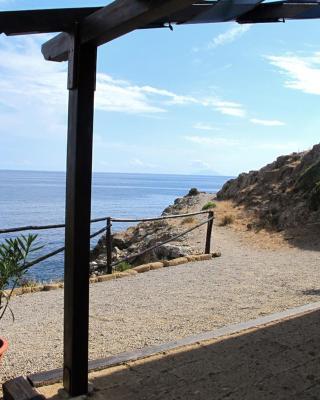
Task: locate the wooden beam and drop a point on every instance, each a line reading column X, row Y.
column 112, row 21
column 277, row 11
column 20, row 389
column 42, row 21
column 82, row 78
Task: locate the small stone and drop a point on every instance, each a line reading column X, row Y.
column 51, row 286
column 104, row 278
column 175, row 261
column 142, row 268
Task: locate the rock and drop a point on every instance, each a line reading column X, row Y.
column 93, row 267
column 203, row 257
column 156, row 265
column 51, row 286
column 216, row 254
column 131, row 272
column 137, row 239
column 169, row 251
column 120, row 240
column 104, row 278
column 174, row 262
column 282, row 195
column 142, row 268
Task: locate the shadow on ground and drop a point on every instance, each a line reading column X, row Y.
column 281, row 361
column 306, row 238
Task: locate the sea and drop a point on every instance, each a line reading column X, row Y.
column 38, row 198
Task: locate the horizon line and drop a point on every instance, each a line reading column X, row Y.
column 122, row 173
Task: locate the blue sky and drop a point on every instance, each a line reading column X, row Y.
column 217, row 98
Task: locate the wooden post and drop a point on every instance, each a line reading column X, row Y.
column 209, row 232
column 109, row 246
column 81, row 85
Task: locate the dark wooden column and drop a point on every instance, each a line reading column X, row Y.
column 81, row 85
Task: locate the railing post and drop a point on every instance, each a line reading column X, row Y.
column 109, row 246
column 209, row 232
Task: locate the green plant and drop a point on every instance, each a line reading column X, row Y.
column 227, row 220
column 123, row 266
column 13, row 266
column 209, row 205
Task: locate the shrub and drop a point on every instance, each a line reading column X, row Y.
column 123, row 266
column 26, row 282
column 193, row 192
column 227, row 220
column 314, row 202
column 209, row 205
column 309, row 177
column 13, row 266
column 188, row 220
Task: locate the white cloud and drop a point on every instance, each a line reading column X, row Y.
column 34, row 94
column 200, row 164
column 26, row 76
column 205, row 127
column 229, row 36
column 267, row 122
column 226, row 107
column 138, row 163
column 209, row 141
column 301, row 72
column 121, row 96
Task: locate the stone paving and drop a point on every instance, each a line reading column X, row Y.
column 280, row 361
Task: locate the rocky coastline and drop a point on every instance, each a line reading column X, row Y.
column 282, row 197
column 144, row 235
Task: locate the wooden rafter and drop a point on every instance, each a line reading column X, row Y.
column 42, row 21
column 112, row 21
column 273, row 12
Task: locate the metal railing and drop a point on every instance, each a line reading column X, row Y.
column 108, row 229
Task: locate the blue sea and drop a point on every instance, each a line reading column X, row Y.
column 38, row 198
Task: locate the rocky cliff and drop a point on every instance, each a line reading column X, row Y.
column 144, row 235
column 284, row 194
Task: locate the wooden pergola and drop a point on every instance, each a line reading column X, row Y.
column 84, row 29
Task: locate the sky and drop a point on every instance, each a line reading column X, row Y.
column 204, row 99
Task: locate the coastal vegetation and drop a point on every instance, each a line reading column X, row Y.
column 123, row 266
column 188, row 220
column 14, row 255
column 193, row 192
column 227, row 220
column 209, row 205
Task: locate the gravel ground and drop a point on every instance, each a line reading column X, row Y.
column 165, row 304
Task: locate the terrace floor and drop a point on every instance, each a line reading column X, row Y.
column 278, row 359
